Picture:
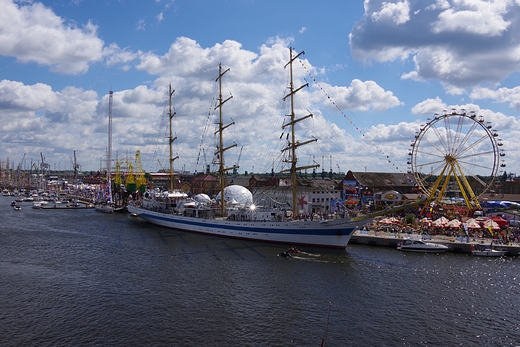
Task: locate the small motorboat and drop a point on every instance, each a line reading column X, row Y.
column 487, row 251
column 17, row 208
column 105, row 208
column 289, row 252
column 292, row 250
column 13, row 203
column 421, row 246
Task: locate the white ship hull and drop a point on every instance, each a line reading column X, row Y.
column 334, row 233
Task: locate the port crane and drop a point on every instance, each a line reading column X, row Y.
column 75, row 166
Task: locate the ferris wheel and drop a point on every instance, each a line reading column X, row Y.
column 456, row 157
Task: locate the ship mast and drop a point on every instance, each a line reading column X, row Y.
column 220, row 148
column 109, row 150
column 171, row 139
column 293, row 144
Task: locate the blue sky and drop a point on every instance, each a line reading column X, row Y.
column 376, row 71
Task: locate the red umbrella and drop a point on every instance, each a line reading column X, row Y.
column 500, row 221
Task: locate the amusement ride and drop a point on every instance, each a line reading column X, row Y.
column 455, row 158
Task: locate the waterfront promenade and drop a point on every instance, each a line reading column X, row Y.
column 455, row 244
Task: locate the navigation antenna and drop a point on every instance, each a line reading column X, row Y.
column 293, row 144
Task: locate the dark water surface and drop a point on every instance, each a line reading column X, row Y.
column 84, row 278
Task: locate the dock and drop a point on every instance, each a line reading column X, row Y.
column 65, row 207
column 454, row 244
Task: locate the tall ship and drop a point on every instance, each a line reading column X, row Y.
column 233, row 213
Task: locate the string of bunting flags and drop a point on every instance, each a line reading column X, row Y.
column 346, row 117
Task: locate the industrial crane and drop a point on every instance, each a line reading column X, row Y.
column 118, row 180
column 130, row 178
column 75, row 166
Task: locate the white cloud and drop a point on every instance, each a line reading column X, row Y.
column 395, row 133
column 37, row 119
column 510, row 95
column 412, row 75
column 397, row 13
column 141, row 25
column 33, row 33
column 451, row 21
column 360, row 96
column 16, row 96
column 439, row 5
column 117, row 56
column 461, row 43
column 429, row 107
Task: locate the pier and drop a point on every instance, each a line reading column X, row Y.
column 65, row 207
column 454, row 244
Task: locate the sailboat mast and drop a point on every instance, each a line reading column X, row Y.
column 171, row 138
column 293, row 145
column 109, row 150
column 220, row 150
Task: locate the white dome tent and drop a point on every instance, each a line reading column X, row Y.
column 236, row 194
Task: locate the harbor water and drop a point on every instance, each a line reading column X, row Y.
column 83, row 278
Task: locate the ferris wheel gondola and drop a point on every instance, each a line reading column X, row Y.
column 456, row 157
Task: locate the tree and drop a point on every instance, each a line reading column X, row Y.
column 410, row 219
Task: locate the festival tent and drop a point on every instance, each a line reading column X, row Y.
column 441, row 222
column 500, row 221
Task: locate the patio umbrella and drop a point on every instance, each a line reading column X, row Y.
column 489, row 223
column 441, row 222
column 385, row 221
column 473, row 224
column 455, row 223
